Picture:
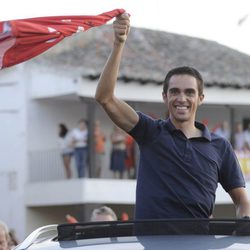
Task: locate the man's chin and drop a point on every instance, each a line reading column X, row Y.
column 181, row 119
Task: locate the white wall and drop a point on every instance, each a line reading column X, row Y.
column 44, row 117
column 50, row 82
column 12, row 148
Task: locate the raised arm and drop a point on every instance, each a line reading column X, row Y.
column 119, row 111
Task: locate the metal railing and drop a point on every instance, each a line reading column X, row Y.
column 47, row 165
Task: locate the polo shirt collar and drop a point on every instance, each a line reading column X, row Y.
column 205, row 132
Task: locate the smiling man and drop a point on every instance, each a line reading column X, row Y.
column 181, row 162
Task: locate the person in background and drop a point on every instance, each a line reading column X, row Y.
column 130, row 156
column 223, row 130
column 80, row 142
column 66, row 149
column 247, row 137
column 181, row 161
column 118, row 153
column 239, row 137
column 13, row 242
column 99, row 148
column 124, row 216
column 4, row 236
column 103, row 213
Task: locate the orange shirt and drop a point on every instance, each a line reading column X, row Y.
column 99, row 142
column 130, row 156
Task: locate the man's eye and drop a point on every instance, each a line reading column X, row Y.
column 190, row 92
column 173, row 91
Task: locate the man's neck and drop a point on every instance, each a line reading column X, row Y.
column 188, row 128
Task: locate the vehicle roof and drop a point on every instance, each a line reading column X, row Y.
column 151, row 234
column 166, row 242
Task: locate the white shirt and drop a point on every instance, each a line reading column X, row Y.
column 239, row 141
column 247, row 137
column 80, row 137
column 65, row 144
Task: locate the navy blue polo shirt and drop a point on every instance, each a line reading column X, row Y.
column 177, row 176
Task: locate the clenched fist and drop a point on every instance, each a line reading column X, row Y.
column 121, row 28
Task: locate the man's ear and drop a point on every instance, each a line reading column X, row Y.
column 164, row 97
column 201, row 99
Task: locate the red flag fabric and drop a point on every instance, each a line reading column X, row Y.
column 23, row 39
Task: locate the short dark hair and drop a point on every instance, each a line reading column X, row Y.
column 185, row 70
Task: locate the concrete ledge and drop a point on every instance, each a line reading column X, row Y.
column 84, row 191
column 80, row 191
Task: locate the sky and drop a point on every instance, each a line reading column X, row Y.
column 216, row 20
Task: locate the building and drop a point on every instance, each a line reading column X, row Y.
column 59, row 86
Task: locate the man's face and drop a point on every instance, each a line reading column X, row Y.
column 182, row 98
column 82, row 125
column 3, row 241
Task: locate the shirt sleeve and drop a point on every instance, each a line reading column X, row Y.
column 145, row 130
column 231, row 175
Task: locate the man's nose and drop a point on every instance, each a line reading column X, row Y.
column 181, row 97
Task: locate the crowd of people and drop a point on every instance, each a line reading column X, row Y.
column 239, row 138
column 75, row 143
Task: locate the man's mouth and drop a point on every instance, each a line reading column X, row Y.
column 181, row 107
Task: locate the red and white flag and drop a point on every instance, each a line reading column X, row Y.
column 23, row 39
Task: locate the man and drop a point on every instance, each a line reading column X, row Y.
column 181, row 162
column 4, row 236
column 103, row 214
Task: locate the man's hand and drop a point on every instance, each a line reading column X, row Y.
column 242, row 227
column 121, row 28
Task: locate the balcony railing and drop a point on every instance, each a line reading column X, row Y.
column 47, row 165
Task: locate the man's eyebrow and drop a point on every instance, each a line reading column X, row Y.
column 174, row 88
column 187, row 89
column 190, row 89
